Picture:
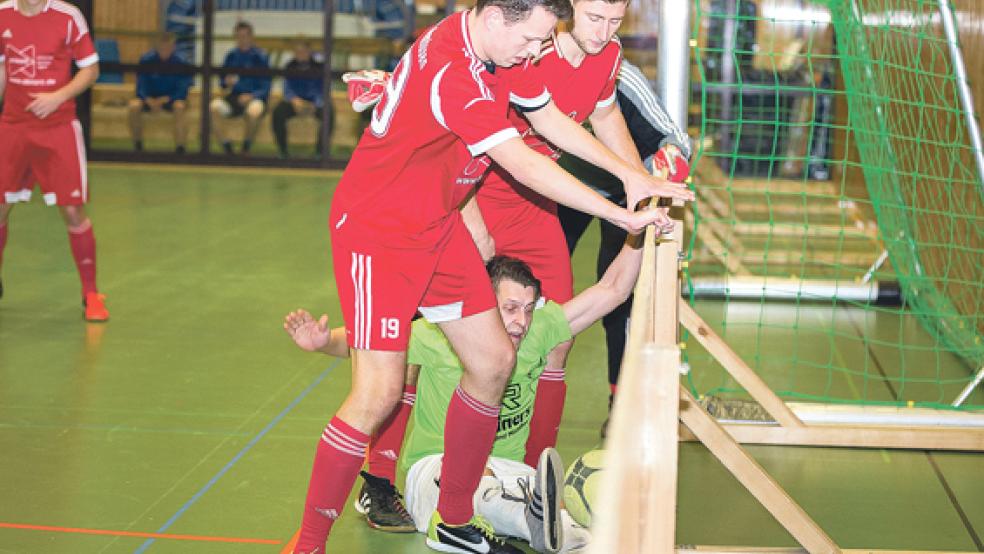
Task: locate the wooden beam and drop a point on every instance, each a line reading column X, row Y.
column 765, row 489
column 636, row 488
column 642, row 332
column 856, row 436
column 739, row 370
column 666, row 293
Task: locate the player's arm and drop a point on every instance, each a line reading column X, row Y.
column 314, row 335
column 547, row 178
column 570, row 137
column 45, row 103
column 637, row 92
column 475, row 223
column 3, row 78
column 609, row 292
column 610, row 128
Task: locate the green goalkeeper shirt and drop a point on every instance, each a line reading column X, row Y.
column 440, row 372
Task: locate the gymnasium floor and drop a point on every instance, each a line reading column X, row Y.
column 187, row 424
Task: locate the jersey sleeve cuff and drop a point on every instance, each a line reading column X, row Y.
column 607, row 101
column 88, row 60
column 530, row 104
column 492, row 141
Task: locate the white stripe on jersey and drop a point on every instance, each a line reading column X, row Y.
column 607, row 101
column 537, row 102
column 435, row 97
column 74, row 13
column 88, row 60
column 469, row 51
column 493, row 140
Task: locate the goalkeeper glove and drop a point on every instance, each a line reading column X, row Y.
column 669, row 163
column 365, row 87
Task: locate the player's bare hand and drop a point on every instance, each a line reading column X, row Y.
column 244, row 99
column 639, row 185
column 44, row 103
column 309, row 334
column 636, row 222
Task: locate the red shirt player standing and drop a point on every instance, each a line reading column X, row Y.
column 399, row 246
column 40, row 138
column 580, row 69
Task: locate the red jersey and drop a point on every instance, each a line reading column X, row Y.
column 576, row 91
column 424, row 150
column 37, row 54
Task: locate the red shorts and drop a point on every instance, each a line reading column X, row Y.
column 381, row 288
column 524, row 225
column 53, row 156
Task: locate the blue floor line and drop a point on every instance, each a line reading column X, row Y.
column 237, row 457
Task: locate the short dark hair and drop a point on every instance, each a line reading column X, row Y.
column 243, row 25
column 518, row 10
column 506, row 267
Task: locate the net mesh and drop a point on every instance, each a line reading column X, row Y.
column 834, row 150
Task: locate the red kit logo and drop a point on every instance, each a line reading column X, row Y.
column 22, row 61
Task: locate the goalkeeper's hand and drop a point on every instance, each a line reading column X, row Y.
column 365, row 87
column 670, row 164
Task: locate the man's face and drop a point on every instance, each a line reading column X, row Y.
column 516, row 304
column 165, row 48
column 302, row 53
column 512, row 43
column 595, row 23
column 244, row 38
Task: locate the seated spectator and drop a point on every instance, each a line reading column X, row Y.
column 302, row 96
column 242, row 95
column 158, row 92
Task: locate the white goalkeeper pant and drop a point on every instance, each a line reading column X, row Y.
column 499, row 499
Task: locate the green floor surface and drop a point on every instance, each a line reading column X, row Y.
column 190, row 412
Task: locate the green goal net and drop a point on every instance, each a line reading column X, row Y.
column 838, row 239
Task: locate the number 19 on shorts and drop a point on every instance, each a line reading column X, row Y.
column 389, row 327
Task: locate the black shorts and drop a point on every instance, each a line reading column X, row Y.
column 235, row 108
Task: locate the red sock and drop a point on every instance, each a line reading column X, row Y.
column 3, row 240
column 336, row 465
column 384, row 447
column 551, row 391
column 469, row 432
column 83, row 244
column 612, row 388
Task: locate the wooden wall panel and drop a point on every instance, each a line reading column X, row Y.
column 121, row 20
